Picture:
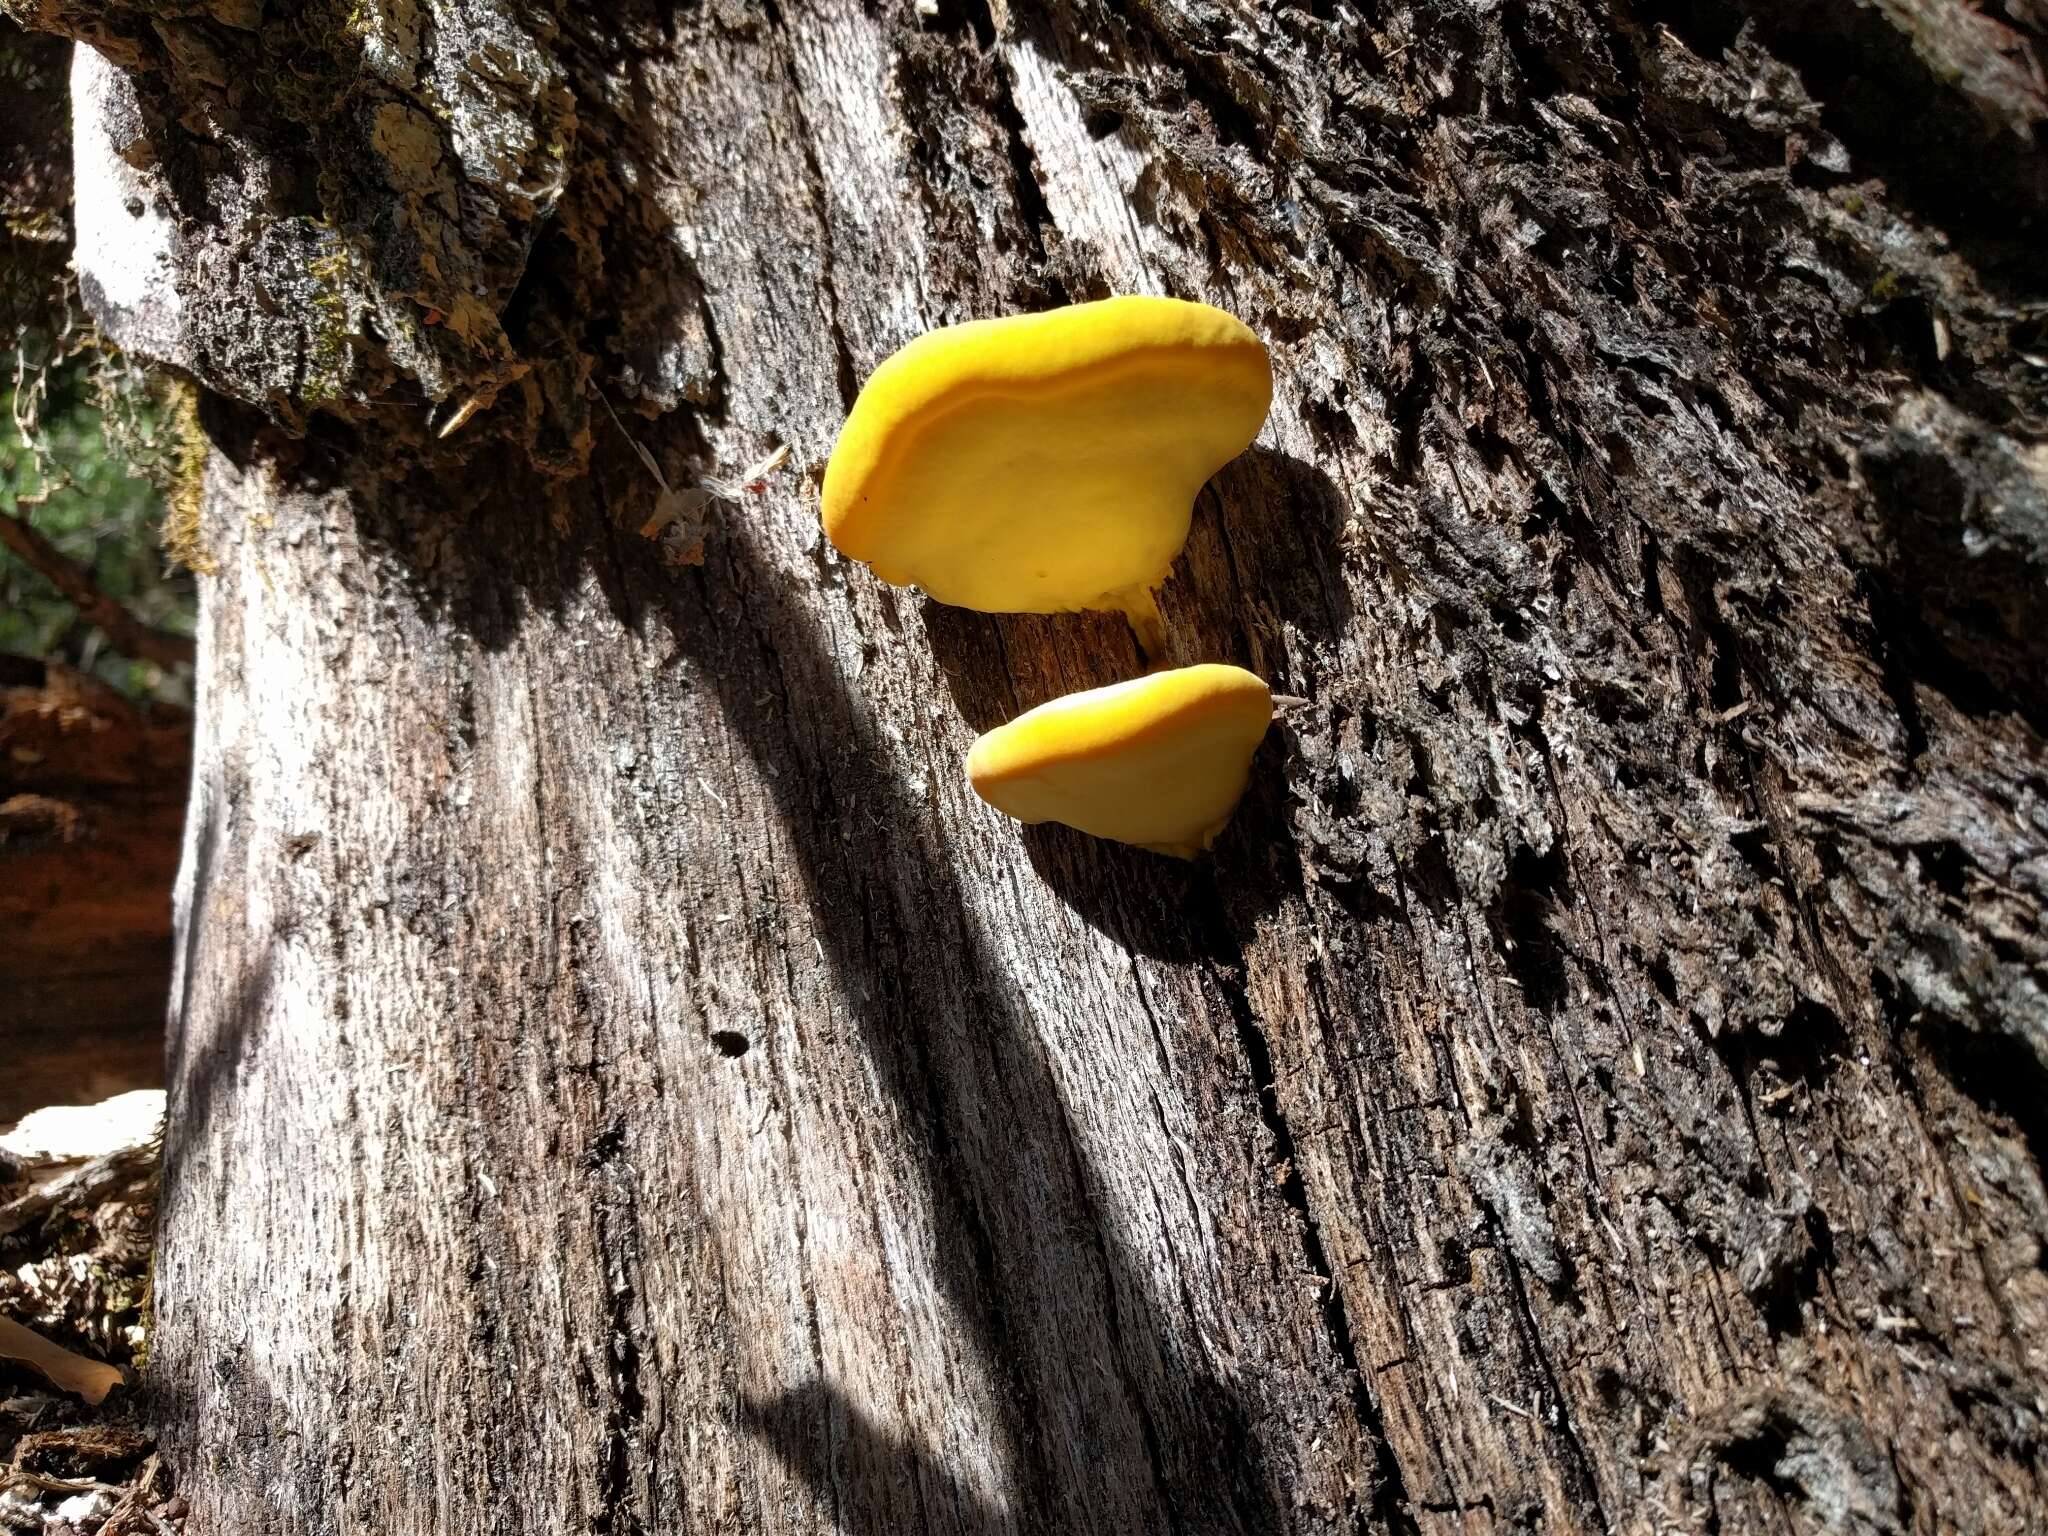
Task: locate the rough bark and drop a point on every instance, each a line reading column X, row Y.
column 622, row 1080
column 92, row 801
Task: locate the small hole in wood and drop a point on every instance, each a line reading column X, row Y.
column 730, row 1042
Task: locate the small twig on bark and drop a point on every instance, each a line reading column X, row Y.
column 126, row 633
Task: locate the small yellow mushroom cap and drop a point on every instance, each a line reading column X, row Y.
column 1045, row 463
column 1160, row 761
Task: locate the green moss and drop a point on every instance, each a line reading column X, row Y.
column 80, row 447
column 318, row 49
column 338, row 276
column 185, row 488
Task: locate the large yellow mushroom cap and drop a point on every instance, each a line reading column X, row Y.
column 1045, row 463
column 1160, row 761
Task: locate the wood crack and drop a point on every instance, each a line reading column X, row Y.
column 1581, row 1462
column 846, row 374
column 615, row 1213
column 1031, row 204
column 1389, row 1502
column 1113, row 1316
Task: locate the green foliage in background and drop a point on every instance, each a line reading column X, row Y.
column 78, row 442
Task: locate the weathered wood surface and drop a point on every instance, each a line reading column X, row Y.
column 623, row 1081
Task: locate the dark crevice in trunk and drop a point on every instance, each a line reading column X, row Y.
column 846, row 374
column 1998, row 1072
column 1905, row 1031
column 1886, row 620
column 618, row 1241
column 1389, row 1503
column 1031, row 204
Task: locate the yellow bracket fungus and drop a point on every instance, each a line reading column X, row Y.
column 1160, row 761
column 1046, row 463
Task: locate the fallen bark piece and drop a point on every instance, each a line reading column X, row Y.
column 91, row 1380
column 64, row 1133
